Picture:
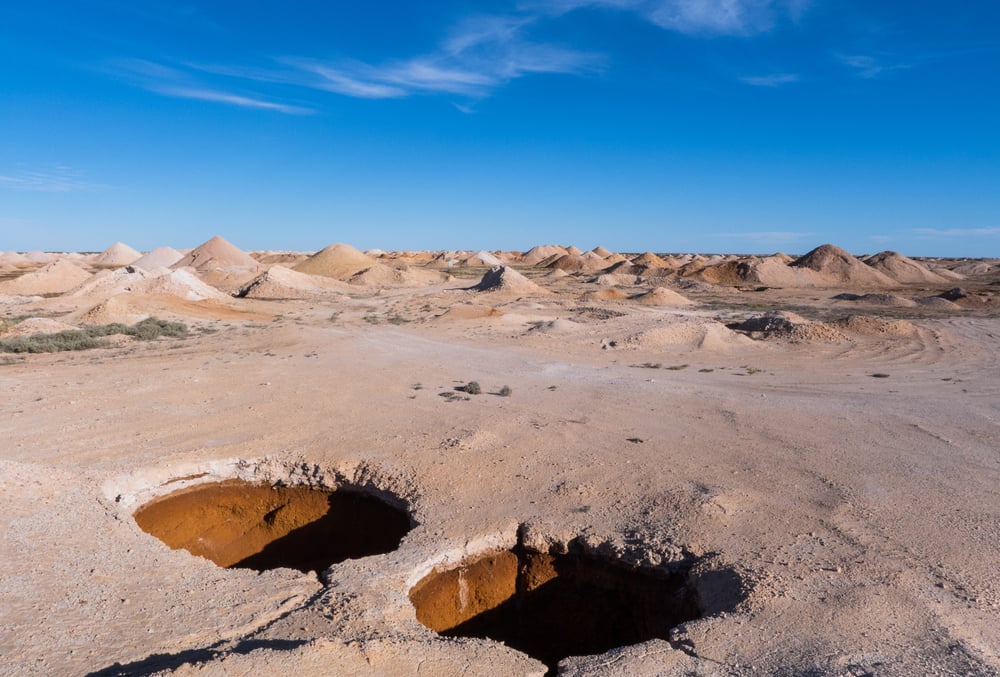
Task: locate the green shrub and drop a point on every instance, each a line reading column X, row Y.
column 149, row 329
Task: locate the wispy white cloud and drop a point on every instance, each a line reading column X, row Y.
column 475, row 58
column 942, row 233
column 182, row 83
column 694, row 17
column 227, row 98
column 722, row 17
column 56, row 179
column 867, row 66
column 773, row 80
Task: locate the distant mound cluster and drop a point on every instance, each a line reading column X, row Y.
column 217, row 279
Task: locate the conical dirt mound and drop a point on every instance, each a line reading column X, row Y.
column 118, row 254
column 504, row 279
column 216, row 253
column 279, row 282
column 57, row 277
column 161, row 257
column 339, row 261
column 837, row 266
column 904, row 269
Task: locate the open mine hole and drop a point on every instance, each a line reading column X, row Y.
column 553, row 606
column 240, row 524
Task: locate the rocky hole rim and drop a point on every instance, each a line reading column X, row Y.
column 241, row 524
column 570, row 600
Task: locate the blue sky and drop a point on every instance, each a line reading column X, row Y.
column 665, row 125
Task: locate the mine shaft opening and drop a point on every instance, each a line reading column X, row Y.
column 555, row 606
column 243, row 525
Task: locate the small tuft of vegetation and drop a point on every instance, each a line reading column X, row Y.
column 505, row 391
column 472, row 387
column 87, row 338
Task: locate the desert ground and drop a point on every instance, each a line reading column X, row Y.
column 468, row 463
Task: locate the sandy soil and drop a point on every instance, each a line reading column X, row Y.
column 829, row 487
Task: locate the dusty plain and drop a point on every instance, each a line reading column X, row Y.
column 819, row 442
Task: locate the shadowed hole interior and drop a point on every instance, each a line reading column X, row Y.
column 554, row 606
column 239, row 524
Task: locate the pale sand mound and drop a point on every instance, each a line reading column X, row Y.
column 769, row 271
column 539, row 253
column 650, row 260
column 508, row 280
column 381, row 275
column 866, row 325
column 576, row 263
column 180, row 283
column 279, row 282
column 602, row 252
column 132, row 308
column 690, row 333
column 790, row 327
column 481, row 258
column 57, row 277
column 556, row 274
column 339, row 261
column 887, row 300
column 574, row 251
column 110, row 282
column 838, row 267
column 39, row 257
column 470, row 312
column 975, row 268
column 661, row 296
column 161, row 257
column 121, row 308
column 36, row 325
column 216, row 253
column 950, row 275
column 615, row 280
column 904, row 269
column 15, row 260
column 118, row 254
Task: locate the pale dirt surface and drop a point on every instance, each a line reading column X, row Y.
column 861, row 513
